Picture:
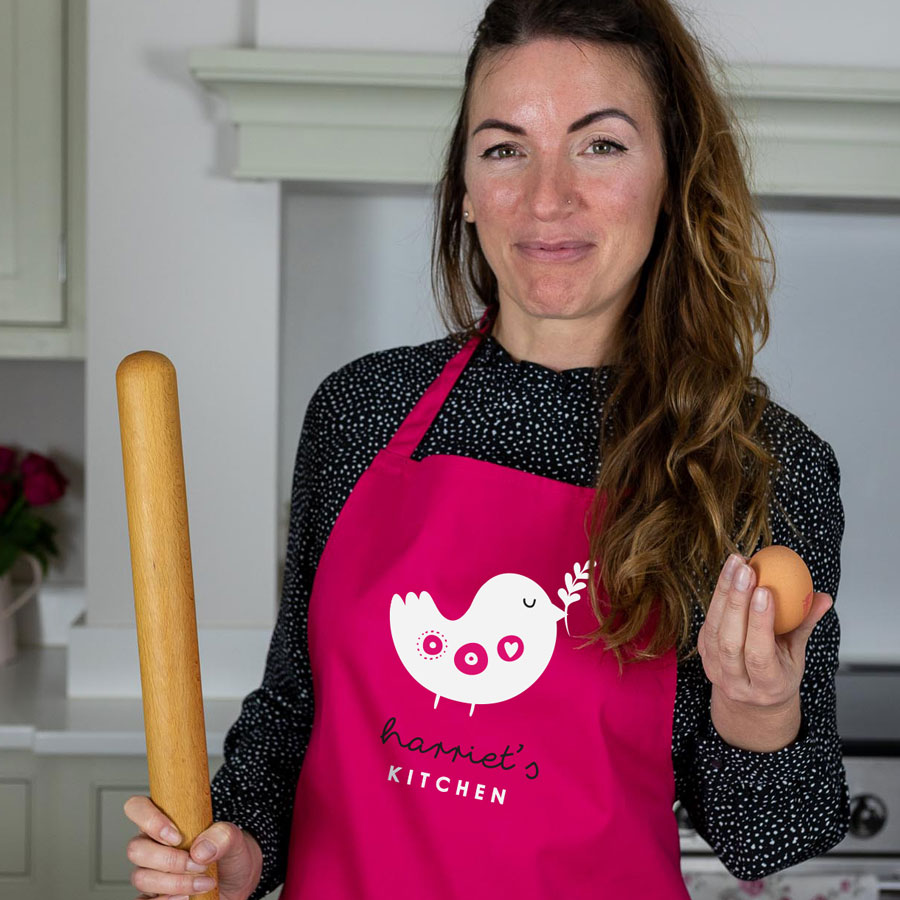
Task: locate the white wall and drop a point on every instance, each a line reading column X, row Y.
column 831, row 360
column 833, row 310
column 184, row 260
column 798, row 32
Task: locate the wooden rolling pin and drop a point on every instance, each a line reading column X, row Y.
column 156, row 501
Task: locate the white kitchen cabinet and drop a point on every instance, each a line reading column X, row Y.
column 24, row 864
column 92, row 825
column 42, row 64
column 15, row 802
column 63, row 831
column 66, row 768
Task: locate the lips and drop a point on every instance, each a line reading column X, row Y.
column 552, row 245
column 554, row 251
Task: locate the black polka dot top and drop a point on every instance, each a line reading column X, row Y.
column 760, row 812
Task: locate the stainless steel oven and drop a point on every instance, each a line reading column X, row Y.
column 868, row 714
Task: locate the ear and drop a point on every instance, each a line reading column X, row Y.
column 466, row 205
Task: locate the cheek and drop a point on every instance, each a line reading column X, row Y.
column 631, row 208
column 495, row 200
column 620, row 201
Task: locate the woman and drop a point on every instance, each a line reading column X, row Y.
column 596, row 256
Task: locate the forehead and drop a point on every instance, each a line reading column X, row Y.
column 552, row 74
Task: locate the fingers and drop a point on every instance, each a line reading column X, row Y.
column 732, row 632
column 738, row 640
column 148, row 854
column 725, row 624
column 149, row 881
column 151, row 820
column 716, row 609
column 760, row 651
column 162, row 867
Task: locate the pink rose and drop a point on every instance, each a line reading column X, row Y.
column 6, row 496
column 43, row 483
column 7, row 460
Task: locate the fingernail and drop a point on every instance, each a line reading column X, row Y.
column 181, row 897
column 760, row 599
column 201, row 885
column 730, row 565
column 204, row 851
column 171, row 835
column 195, row 866
column 742, row 579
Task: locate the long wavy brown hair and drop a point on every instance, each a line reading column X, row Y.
column 686, row 465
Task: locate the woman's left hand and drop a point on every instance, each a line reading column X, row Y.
column 742, row 655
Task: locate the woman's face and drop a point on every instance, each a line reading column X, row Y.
column 540, row 169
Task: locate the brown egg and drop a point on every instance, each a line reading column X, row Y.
column 784, row 573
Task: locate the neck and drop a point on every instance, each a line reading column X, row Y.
column 558, row 344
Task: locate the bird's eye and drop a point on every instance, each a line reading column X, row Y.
column 529, row 605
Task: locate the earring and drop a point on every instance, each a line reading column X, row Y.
column 466, row 214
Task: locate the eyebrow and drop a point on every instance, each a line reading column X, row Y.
column 577, row 125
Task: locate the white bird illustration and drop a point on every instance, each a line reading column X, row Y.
column 496, row 650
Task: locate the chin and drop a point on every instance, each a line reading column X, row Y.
column 554, row 307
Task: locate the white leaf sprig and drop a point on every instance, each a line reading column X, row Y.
column 574, row 583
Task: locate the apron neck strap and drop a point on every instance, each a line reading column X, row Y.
column 409, row 435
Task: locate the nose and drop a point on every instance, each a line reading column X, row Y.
column 551, row 189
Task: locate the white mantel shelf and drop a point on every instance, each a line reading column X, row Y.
column 365, row 117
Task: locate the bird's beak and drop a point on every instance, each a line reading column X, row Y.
column 557, row 612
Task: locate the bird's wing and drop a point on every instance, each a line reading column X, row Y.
column 416, row 611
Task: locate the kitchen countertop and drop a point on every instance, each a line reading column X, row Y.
column 36, row 714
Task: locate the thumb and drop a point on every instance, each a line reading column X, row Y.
column 214, row 843
column 235, row 854
column 820, row 605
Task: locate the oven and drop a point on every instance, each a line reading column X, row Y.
column 868, row 717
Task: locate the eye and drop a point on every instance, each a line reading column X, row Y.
column 489, row 153
column 616, row 147
column 613, row 148
column 529, row 605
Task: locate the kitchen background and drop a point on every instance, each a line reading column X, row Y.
column 258, row 289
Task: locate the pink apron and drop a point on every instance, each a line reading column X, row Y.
column 462, row 746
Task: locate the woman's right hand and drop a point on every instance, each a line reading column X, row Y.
column 165, row 870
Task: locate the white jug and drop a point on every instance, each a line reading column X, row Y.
column 10, row 604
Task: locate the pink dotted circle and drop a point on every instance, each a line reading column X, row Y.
column 471, row 659
column 431, row 645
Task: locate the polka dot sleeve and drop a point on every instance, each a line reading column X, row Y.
column 764, row 812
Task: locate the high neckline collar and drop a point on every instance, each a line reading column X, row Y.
column 492, row 352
